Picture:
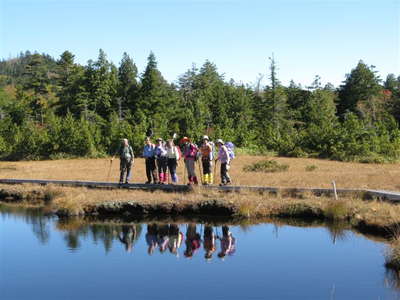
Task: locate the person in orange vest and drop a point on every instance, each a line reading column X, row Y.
column 206, row 152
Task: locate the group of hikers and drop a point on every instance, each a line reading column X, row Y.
column 161, row 160
column 169, row 237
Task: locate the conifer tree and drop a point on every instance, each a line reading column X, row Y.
column 360, row 86
column 127, row 85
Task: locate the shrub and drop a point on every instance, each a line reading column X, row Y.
column 266, row 166
column 311, row 168
column 336, row 210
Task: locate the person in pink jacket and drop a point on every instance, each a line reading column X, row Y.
column 190, row 156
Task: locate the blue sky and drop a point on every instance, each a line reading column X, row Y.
column 307, row 37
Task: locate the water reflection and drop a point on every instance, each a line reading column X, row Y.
column 323, row 254
column 159, row 237
column 193, row 240
column 33, row 216
column 228, row 243
column 209, row 242
column 76, row 230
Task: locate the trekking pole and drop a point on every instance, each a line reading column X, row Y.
column 200, row 174
column 184, row 172
column 215, row 170
column 109, row 171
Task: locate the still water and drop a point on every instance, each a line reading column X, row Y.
column 46, row 258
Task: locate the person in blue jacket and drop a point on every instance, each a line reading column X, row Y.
column 150, row 161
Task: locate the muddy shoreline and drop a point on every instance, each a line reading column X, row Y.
column 202, row 211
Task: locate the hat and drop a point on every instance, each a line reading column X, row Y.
column 159, row 140
column 205, row 137
column 219, row 141
column 185, row 139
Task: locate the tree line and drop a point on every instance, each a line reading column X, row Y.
column 57, row 108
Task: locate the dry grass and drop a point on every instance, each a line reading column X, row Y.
column 346, row 175
column 74, row 201
column 393, row 255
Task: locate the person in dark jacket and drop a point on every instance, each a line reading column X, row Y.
column 150, row 160
column 162, row 162
column 126, row 157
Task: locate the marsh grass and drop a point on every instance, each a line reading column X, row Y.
column 392, row 257
column 266, row 166
column 8, row 168
column 337, row 210
column 311, row 168
column 346, row 175
column 52, row 192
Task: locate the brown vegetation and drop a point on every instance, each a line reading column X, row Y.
column 346, row 175
column 375, row 215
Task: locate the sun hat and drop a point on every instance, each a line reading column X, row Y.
column 185, row 139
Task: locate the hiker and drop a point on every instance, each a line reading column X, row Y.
column 128, row 236
column 206, row 152
column 151, row 238
column 193, row 241
column 228, row 243
column 173, row 156
column 126, row 156
column 209, row 242
column 190, row 156
column 161, row 157
column 150, row 161
column 224, row 158
column 175, row 239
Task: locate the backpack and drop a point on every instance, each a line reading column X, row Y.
column 231, row 149
column 212, row 154
column 179, row 153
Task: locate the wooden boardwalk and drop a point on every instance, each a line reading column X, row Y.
column 379, row 194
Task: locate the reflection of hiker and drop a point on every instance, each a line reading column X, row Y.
column 162, row 237
column 126, row 156
column 161, row 156
column 224, row 158
column 175, row 238
column 151, row 238
column 192, row 241
column 206, row 151
column 228, row 243
column 150, row 161
column 128, row 236
column 190, row 155
column 173, row 155
column 209, row 241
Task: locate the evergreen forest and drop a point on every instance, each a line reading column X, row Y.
column 54, row 108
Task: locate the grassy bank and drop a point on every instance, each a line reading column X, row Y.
column 369, row 216
column 301, row 172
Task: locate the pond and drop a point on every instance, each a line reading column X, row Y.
column 43, row 257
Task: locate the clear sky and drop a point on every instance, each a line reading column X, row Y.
column 307, row 37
